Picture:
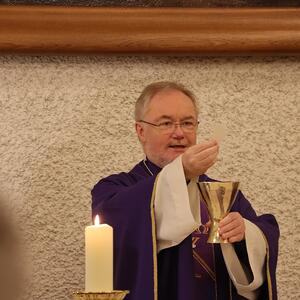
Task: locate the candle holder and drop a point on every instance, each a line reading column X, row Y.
column 114, row 295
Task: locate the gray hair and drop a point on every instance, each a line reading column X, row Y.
column 154, row 88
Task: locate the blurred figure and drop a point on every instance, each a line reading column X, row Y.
column 10, row 262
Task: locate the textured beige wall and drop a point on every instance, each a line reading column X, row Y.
column 67, row 121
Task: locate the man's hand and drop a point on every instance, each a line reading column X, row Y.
column 232, row 227
column 198, row 158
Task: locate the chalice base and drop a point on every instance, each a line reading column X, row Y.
column 214, row 236
column 114, row 295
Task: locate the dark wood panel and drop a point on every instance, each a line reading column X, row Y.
column 161, row 3
column 61, row 30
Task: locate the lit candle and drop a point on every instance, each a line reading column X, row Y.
column 98, row 258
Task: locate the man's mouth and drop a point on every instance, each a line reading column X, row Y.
column 177, row 146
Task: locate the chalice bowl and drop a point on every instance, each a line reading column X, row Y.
column 219, row 198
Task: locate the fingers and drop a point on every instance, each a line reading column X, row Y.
column 234, row 235
column 207, row 144
column 231, row 217
column 232, row 227
column 204, row 146
column 201, row 158
column 205, row 151
column 207, row 162
column 198, row 158
column 208, row 152
column 236, row 238
column 208, row 224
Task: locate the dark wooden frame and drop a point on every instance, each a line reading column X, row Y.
column 166, row 31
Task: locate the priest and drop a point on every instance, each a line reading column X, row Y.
column 160, row 224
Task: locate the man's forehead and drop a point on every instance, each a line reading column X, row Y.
column 170, row 96
column 169, row 102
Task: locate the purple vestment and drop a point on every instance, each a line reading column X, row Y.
column 125, row 202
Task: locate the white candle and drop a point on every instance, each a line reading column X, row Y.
column 98, row 258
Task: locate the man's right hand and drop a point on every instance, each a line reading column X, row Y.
column 199, row 158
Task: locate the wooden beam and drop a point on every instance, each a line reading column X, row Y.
column 197, row 31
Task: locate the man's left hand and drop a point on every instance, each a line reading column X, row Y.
column 232, row 227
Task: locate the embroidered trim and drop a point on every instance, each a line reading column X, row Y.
column 144, row 162
column 200, row 260
column 216, row 283
column 268, row 269
column 154, row 243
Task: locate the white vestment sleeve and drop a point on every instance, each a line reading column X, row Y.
column 247, row 284
column 176, row 205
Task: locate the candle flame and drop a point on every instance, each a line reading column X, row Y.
column 97, row 220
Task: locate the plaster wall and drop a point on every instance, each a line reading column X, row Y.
column 65, row 122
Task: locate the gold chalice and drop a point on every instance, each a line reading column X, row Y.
column 219, row 198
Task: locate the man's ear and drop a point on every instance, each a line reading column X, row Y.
column 140, row 132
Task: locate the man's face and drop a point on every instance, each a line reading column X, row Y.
column 160, row 147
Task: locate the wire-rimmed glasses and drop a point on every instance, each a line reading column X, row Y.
column 169, row 126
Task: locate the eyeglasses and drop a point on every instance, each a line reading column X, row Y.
column 169, row 126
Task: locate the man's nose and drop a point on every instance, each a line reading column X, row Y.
column 178, row 132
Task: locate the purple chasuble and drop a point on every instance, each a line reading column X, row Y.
column 204, row 265
column 125, row 202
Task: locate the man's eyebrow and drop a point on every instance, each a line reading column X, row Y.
column 188, row 118
column 163, row 117
column 170, row 118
